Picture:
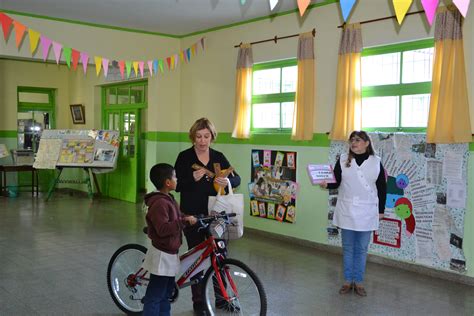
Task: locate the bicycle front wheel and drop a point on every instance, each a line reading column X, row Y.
column 245, row 292
column 126, row 281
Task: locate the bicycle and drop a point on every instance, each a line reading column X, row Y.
column 235, row 282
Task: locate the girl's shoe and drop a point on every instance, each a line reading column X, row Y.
column 360, row 290
column 346, row 288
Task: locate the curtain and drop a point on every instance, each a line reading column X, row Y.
column 448, row 121
column 243, row 92
column 303, row 116
column 347, row 112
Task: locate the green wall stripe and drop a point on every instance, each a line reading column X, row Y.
column 8, row 134
column 104, row 26
column 125, row 29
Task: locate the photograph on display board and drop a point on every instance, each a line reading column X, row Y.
column 273, row 189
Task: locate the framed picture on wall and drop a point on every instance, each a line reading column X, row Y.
column 78, row 114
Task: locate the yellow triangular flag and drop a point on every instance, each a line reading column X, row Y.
column 401, row 8
column 193, row 50
column 172, row 62
column 34, row 40
column 98, row 64
column 135, row 68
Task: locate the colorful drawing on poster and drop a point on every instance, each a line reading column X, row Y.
column 290, row 160
column 393, row 192
column 251, row 187
column 271, row 210
column 104, row 155
column 290, row 214
column 267, row 158
column 255, row 159
column 279, row 159
column 254, row 208
column 77, row 151
column 389, row 233
column 404, row 210
column 261, row 209
column 280, row 213
column 402, row 181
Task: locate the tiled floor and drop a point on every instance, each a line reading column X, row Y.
column 54, row 256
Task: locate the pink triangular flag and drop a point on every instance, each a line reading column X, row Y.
column 303, row 5
column 122, row 67
column 150, row 66
column 141, row 65
column 19, row 32
column 430, row 9
column 176, row 58
column 6, row 24
column 57, row 51
column 105, row 66
column 45, row 44
column 462, row 5
column 84, row 61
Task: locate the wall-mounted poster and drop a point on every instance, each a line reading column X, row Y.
column 426, row 200
column 273, row 188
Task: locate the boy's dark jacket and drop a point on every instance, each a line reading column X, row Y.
column 165, row 222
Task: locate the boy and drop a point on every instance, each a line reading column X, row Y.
column 165, row 224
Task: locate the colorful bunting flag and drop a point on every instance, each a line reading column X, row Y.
column 168, row 61
column 202, row 43
column 273, row 4
column 75, row 58
column 6, row 24
column 84, row 61
column 176, row 59
column 121, row 67
column 303, row 5
column 57, row 51
column 160, row 64
column 34, row 40
column 135, row 68
column 150, row 67
column 19, row 32
column 188, row 53
column 128, row 65
column 141, row 66
column 401, row 9
column 98, row 64
column 105, row 66
column 67, row 55
column 181, row 56
column 430, row 9
column 462, row 5
column 346, row 8
column 155, row 66
column 45, row 44
column 193, row 50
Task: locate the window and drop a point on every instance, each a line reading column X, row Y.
column 273, row 95
column 35, row 114
column 132, row 93
column 396, row 86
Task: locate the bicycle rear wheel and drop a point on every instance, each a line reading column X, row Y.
column 244, row 289
column 126, row 282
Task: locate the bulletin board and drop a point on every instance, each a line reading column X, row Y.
column 273, row 188
column 426, row 200
column 78, row 148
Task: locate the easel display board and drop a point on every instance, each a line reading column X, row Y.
column 78, row 148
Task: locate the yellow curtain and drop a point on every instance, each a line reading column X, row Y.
column 303, row 116
column 347, row 112
column 243, row 92
column 448, row 121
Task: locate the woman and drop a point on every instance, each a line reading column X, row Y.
column 360, row 178
column 195, row 186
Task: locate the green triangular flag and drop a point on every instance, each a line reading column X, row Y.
column 160, row 64
column 128, row 64
column 67, row 51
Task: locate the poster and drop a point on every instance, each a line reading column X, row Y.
column 273, row 188
column 426, row 200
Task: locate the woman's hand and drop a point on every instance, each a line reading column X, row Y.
column 221, row 181
column 323, row 185
column 191, row 220
column 381, row 216
column 198, row 174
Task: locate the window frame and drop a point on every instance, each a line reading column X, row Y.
column 273, row 97
column 400, row 89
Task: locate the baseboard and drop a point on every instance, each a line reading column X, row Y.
column 407, row 266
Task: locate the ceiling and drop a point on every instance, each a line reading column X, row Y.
column 173, row 17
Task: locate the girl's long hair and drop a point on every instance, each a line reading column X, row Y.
column 364, row 136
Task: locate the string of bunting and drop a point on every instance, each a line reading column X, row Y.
column 73, row 56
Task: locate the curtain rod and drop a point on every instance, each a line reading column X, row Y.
column 276, row 38
column 385, row 18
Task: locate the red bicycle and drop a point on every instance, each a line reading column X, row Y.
column 226, row 279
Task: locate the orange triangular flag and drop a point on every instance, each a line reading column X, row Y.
column 34, row 40
column 75, row 58
column 19, row 32
column 6, row 24
column 303, row 5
